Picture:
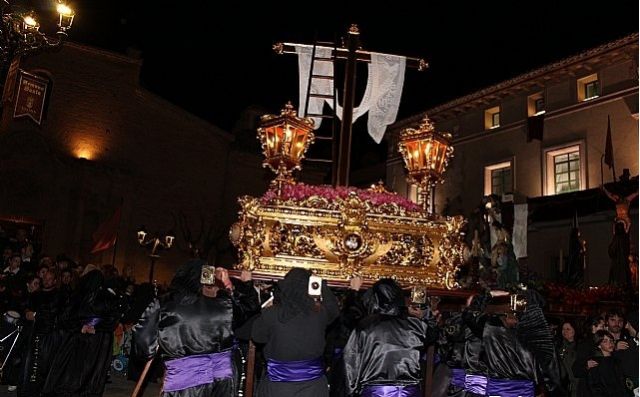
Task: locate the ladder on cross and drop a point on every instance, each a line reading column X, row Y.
column 325, row 151
column 352, row 54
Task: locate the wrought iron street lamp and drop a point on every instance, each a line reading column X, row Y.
column 426, row 154
column 285, row 138
column 20, row 31
column 154, row 244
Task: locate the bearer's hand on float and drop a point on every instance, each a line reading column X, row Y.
column 245, row 276
column 469, row 300
column 355, row 283
column 223, row 276
column 88, row 329
column 415, row 311
column 591, row 364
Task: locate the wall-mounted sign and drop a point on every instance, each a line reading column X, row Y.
column 32, row 93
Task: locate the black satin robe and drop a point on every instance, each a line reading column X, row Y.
column 44, row 340
column 190, row 324
column 338, row 334
column 386, row 349
column 507, row 357
column 458, row 347
column 80, row 366
column 517, row 353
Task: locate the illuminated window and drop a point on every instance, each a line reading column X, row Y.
column 588, row 87
column 535, row 104
column 567, row 172
column 492, row 118
column 498, row 178
column 495, row 120
column 591, row 90
column 565, row 169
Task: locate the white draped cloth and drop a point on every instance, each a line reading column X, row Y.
column 519, row 238
column 382, row 93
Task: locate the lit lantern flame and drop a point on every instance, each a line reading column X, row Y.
column 426, row 154
column 285, row 139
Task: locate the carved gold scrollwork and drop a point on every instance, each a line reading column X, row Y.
column 341, row 237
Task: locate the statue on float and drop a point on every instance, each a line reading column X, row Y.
column 625, row 192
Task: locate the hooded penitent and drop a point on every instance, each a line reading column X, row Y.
column 385, row 297
column 187, row 278
column 293, row 294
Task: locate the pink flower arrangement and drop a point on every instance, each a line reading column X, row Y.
column 301, row 191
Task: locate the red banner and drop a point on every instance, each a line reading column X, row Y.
column 107, row 234
column 32, row 92
column 10, row 82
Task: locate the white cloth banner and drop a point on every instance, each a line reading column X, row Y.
column 387, row 72
column 382, row 93
column 519, row 238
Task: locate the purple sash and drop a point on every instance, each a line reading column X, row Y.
column 183, row 373
column 476, row 384
column 510, row 388
column 390, row 391
column 92, row 321
column 295, row 371
column 457, row 377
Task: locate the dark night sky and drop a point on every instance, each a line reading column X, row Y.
column 469, row 45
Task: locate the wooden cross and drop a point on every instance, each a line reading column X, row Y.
column 352, row 54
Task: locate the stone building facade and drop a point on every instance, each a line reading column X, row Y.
column 567, row 104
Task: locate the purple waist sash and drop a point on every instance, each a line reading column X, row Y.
column 457, row 377
column 92, row 321
column 510, row 388
column 183, row 373
column 480, row 384
column 295, row 371
column 390, row 391
column 476, row 384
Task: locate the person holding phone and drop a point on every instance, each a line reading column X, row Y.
column 293, row 333
column 192, row 330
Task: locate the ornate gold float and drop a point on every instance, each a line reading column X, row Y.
column 342, row 231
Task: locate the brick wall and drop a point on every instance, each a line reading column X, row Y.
column 106, row 140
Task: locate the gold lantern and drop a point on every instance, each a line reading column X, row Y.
column 426, row 154
column 285, row 139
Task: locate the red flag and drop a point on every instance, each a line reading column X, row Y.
column 608, row 149
column 107, row 234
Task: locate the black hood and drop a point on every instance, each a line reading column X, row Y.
column 385, row 297
column 90, row 282
column 294, row 294
column 187, row 278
